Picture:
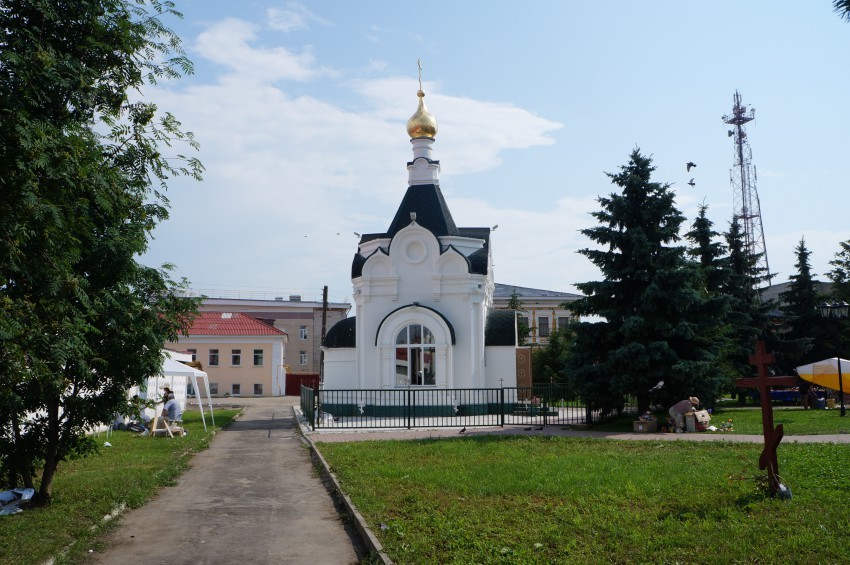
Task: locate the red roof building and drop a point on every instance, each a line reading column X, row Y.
column 231, row 323
column 242, row 355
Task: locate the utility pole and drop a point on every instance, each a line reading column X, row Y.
column 324, row 331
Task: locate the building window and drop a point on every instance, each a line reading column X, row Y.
column 302, row 332
column 235, row 357
column 213, row 358
column 235, row 389
column 302, row 357
column 543, row 327
column 258, row 357
column 193, row 353
column 415, row 361
column 563, row 322
column 258, row 389
column 213, row 388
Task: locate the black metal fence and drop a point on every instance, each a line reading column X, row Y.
column 432, row 408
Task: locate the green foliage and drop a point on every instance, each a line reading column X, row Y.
column 748, row 314
column 715, row 272
column 657, row 322
column 573, row 500
column 547, row 362
column 842, row 8
column 840, row 277
column 80, row 319
column 803, row 329
column 514, row 303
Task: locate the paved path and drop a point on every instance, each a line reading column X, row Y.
column 252, row 497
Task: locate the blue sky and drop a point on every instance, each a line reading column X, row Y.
column 300, row 110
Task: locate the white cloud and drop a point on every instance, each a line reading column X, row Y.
column 282, row 167
column 227, row 43
column 293, row 18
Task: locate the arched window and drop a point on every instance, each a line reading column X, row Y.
column 414, row 357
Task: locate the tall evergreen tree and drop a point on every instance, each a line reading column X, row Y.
column 803, row 327
column 80, row 319
column 713, row 267
column 547, row 362
column 840, row 274
column 840, row 277
column 748, row 316
column 649, row 300
column 708, row 252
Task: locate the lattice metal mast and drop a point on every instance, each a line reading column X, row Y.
column 743, row 177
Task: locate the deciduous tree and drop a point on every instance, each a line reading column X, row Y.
column 82, row 170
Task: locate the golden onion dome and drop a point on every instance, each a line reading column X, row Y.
column 421, row 123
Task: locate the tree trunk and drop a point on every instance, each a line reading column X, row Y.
column 51, row 456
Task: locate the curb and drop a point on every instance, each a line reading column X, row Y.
column 376, row 550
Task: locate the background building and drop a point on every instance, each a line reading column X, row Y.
column 241, row 355
column 543, row 310
column 300, row 320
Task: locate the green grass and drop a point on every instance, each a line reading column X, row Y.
column 794, row 420
column 86, row 490
column 570, row 500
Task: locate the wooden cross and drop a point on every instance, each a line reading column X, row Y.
column 761, row 359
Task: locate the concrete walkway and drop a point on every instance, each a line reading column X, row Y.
column 252, row 497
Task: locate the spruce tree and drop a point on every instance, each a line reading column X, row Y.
column 840, row 274
column 748, row 316
column 803, row 327
column 840, row 277
column 708, row 252
column 714, row 272
column 649, row 300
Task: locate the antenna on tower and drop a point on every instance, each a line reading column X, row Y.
column 745, row 197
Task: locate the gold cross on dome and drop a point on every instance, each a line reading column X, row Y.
column 419, row 64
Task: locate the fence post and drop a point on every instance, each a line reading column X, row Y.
column 407, row 408
column 502, row 407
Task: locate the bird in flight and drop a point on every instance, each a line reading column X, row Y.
column 692, row 183
column 690, row 164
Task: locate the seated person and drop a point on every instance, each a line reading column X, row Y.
column 171, row 409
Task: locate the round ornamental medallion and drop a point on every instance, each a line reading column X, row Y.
column 415, row 251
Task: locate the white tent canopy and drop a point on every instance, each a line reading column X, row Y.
column 175, row 376
column 170, row 367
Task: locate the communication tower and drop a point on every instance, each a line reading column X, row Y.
column 743, row 177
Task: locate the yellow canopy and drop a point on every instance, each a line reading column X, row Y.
column 825, row 373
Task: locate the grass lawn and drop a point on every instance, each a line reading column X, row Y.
column 570, row 500
column 85, row 490
column 794, row 420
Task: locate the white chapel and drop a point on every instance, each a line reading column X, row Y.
column 423, row 294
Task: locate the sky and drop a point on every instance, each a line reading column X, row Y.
column 300, row 111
